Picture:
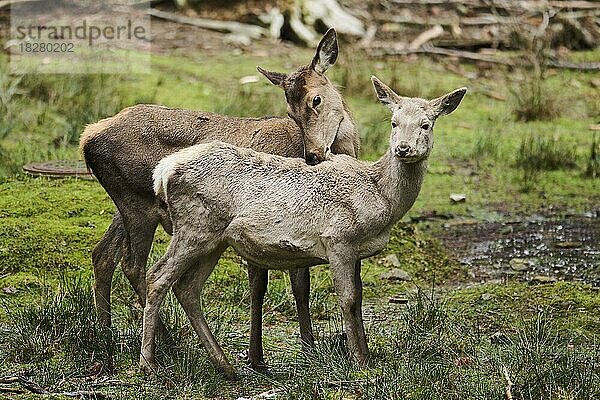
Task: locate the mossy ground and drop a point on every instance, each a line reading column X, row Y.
column 440, row 345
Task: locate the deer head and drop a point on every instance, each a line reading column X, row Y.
column 313, row 103
column 411, row 139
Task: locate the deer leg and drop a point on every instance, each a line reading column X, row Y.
column 174, row 263
column 362, row 340
column 105, row 257
column 300, row 279
column 134, row 263
column 347, row 282
column 188, row 290
column 258, row 280
column 140, row 234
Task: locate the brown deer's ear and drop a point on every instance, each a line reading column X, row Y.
column 447, row 103
column 386, row 95
column 276, row 78
column 327, row 52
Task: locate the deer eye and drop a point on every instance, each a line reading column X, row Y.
column 425, row 126
column 394, row 125
column 316, row 101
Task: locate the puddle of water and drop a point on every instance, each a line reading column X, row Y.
column 535, row 248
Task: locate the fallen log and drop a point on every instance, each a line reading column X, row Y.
column 233, row 27
column 332, row 14
column 575, row 5
column 6, row 3
column 434, row 2
column 468, row 55
column 426, row 36
column 484, row 19
column 461, row 4
column 581, row 67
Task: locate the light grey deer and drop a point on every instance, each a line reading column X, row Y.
column 280, row 212
column 123, row 150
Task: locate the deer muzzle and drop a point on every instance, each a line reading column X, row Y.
column 314, row 157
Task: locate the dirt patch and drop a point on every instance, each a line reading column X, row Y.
column 536, row 248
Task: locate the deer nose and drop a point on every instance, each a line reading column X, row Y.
column 403, row 149
column 314, row 157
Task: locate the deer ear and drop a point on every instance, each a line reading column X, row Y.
column 327, row 52
column 447, row 103
column 386, row 95
column 276, row 78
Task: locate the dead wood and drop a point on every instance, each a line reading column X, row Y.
column 34, row 388
column 7, row 3
column 574, row 5
column 236, row 28
column 468, row 55
column 426, row 36
column 509, row 384
column 331, row 14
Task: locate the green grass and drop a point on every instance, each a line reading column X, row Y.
column 44, row 228
column 533, row 99
column 47, row 112
column 439, row 346
column 418, row 350
column 436, row 347
column 593, row 161
column 538, row 154
column 545, row 154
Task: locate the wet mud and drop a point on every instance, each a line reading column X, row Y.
column 535, row 248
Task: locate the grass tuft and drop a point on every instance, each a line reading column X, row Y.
column 429, row 352
column 537, row 154
column 487, row 145
column 593, row 162
column 426, row 349
column 534, row 100
column 64, row 321
column 545, row 154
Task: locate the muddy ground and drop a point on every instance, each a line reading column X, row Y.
column 537, row 248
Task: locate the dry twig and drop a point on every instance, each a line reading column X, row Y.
column 468, row 55
column 34, row 388
column 509, row 384
column 237, row 28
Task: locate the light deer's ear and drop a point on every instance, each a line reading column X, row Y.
column 447, row 103
column 386, row 95
column 327, row 52
column 276, row 78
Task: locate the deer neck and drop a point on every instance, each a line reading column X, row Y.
column 347, row 140
column 399, row 182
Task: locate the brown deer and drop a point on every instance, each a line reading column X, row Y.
column 278, row 212
column 123, row 150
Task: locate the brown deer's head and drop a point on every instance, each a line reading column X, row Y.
column 313, row 102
